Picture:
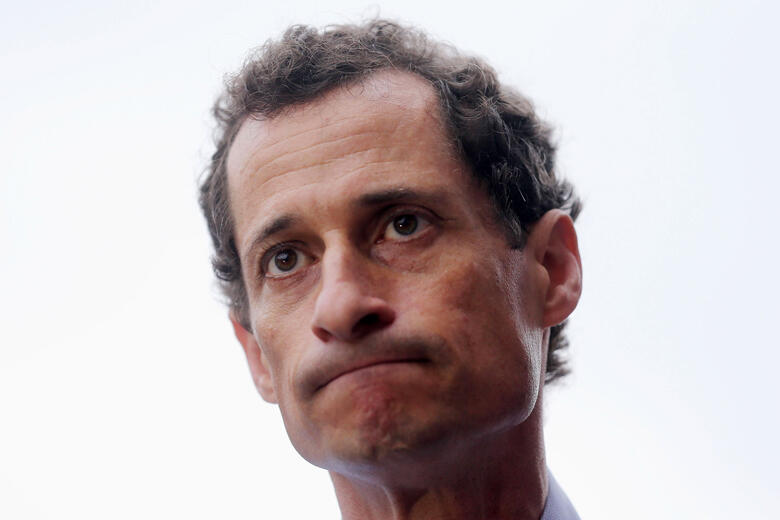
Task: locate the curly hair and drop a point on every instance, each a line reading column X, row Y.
column 494, row 129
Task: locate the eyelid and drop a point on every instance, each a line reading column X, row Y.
column 396, row 211
column 268, row 255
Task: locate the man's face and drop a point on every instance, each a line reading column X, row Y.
column 390, row 317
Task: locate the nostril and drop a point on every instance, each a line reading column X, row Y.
column 369, row 323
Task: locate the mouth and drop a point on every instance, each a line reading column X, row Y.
column 374, row 364
column 377, row 357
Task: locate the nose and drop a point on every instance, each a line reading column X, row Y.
column 348, row 306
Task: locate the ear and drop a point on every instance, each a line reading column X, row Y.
column 553, row 242
column 258, row 364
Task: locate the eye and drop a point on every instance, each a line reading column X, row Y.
column 284, row 261
column 404, row 226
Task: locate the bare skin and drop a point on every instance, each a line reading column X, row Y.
column 403, row 339
column 504, row 478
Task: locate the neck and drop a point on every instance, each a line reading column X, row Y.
column 500, row 476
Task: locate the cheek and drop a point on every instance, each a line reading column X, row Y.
column 466, row 293
column 483, row 308
column 281, row 341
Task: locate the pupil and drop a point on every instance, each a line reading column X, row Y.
column 405, row 224
column 285, row 260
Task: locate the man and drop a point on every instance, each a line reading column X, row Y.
column 399, row 258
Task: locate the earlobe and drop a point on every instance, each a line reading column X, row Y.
column 554, row 243
column 258, row 365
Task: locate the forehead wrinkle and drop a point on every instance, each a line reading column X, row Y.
column 255, row 165
column 368, row 118
column 283, row 139
column 368, row 124
column 311, row 150
column 337, row 174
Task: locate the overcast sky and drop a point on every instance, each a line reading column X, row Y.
column 123, row 393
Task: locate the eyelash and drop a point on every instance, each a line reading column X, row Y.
column 389, row 218
column 269, row 255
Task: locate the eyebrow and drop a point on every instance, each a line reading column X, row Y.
column 277, row 225
column 400, row 194
column 367, row 200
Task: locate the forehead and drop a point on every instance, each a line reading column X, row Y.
column 384, row 103
column 387, row 129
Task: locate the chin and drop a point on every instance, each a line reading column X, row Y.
column 387, row 444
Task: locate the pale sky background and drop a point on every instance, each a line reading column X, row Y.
column 123, row 393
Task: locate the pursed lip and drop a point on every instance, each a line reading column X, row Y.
column 334, row 360
column 366, row 363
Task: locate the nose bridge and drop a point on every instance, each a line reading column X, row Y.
column 342, row 266
column 349, row 304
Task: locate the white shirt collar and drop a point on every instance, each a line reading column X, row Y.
column 557, row 506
